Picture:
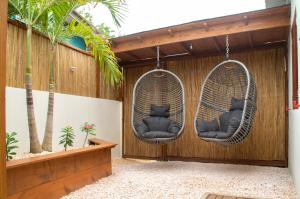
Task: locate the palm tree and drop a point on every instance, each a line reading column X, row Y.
column 33, row 13
column 29, row 11
column 52, row 24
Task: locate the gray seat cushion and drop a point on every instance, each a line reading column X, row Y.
column 237, row 104
column 174, row 127
column 208, row 134
column 205, row 126
column 158, row 134
column 157, row 123
column 160, row 111
column 223, row 135
column 141, row 128
column 214, row 134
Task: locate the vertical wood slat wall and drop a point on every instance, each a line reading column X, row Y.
column 3, row 32
column 267, row 141
column 83, row 81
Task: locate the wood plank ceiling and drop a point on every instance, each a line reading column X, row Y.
column 249, row 30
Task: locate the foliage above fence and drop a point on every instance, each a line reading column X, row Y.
column 78, row 73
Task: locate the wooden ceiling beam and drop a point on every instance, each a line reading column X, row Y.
column 133, row 55
column 266, row 19
column 150, row 62
column 161, row 52
column 187, row 48
column 170, row 31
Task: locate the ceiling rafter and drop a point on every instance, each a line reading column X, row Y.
column 256, row 20
column 187, row 48
column 217, row 44
column 250, row 39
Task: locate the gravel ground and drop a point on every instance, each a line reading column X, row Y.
column 150, row 179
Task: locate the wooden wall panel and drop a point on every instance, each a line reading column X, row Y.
column 131, row 145
column 3, row 32
column 83, row 81
column 267, row 140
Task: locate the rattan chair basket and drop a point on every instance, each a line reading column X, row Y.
column 229, row 79
column 158, row 87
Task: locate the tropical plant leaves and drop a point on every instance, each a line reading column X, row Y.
column 49, row 16
column 10, row 147
column 67, row 138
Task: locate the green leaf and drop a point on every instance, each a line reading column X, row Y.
column 10, row 140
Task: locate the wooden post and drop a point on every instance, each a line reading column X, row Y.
column 3, row 32
column 164, row 152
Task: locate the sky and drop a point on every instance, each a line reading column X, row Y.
column 143, row 15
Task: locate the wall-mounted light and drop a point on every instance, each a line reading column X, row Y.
column 73, row 68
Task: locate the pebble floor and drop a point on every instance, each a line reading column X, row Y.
column 150, row 179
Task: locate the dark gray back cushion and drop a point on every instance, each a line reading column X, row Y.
column 160, row 111
column 235, row 120
column 157, row 123
column 205, row 126
column 227, row 118
column 224, row 121
column 237, row 104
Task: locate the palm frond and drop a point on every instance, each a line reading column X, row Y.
column 100, row 49
column 52, row 21
column 49, row 16
column 117, row 9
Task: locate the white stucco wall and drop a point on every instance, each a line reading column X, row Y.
column 68, row 110
column 294, row 115
column 294, row 147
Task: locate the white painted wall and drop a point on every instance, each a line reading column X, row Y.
column 294, row 115
column 68, row 110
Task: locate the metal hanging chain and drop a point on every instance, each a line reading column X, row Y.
column 227, row 47
column 157, row 58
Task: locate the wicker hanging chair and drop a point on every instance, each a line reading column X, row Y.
column 227, row 104
column 158, row 88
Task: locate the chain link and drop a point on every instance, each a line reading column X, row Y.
column 227, row 47
column 157, row 57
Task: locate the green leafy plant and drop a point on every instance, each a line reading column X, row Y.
column 53, row 24
column 89, row 129
column 10, row 145
column 67, row 138
column 49, row 16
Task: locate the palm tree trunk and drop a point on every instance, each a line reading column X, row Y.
column 47, row 142
column 35, row 146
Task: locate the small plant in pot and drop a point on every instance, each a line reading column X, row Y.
column 10, row 145
column 67, row 138
column 88, row 129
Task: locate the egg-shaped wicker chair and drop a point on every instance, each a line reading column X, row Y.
column 227, row 104
column 158, row 88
